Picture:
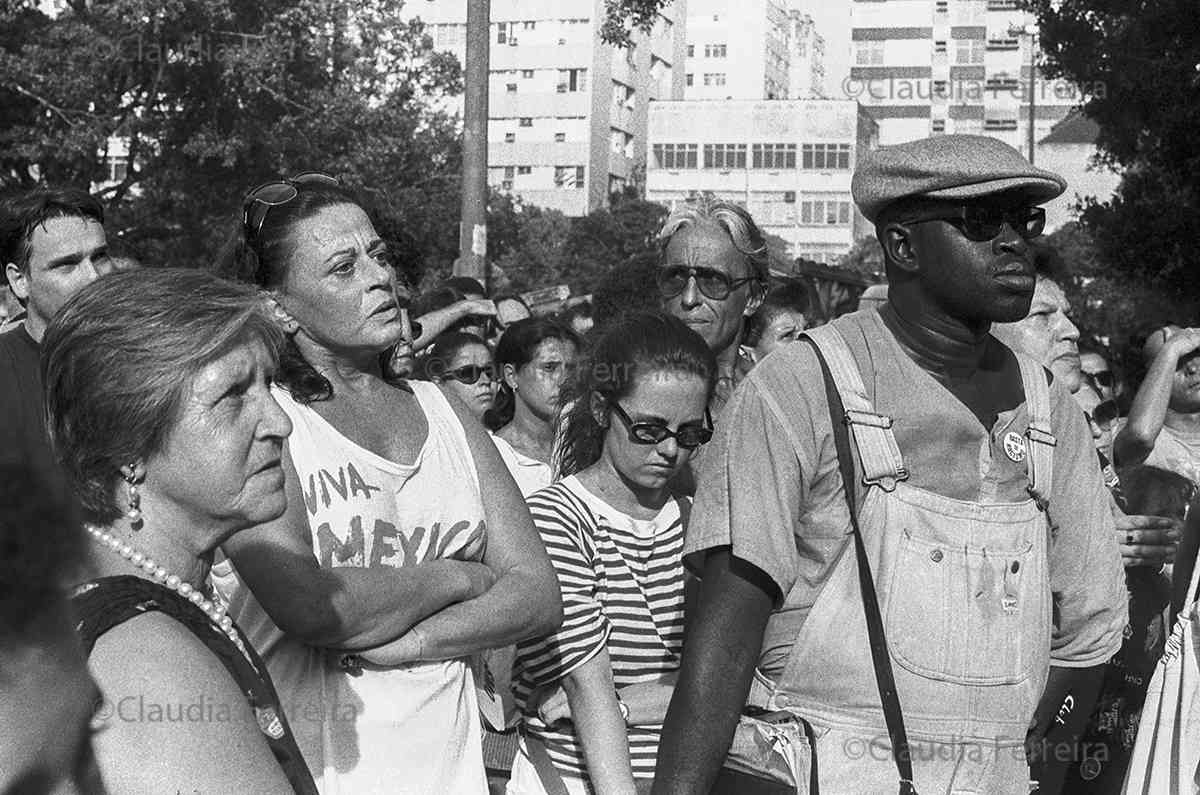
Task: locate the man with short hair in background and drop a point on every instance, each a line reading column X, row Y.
column 52, row 244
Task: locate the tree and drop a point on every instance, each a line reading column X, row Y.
column 865, row 258
column 1137, row 64
column 216, row 96
column 623, row 17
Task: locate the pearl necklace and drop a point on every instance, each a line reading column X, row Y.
column 214, row 610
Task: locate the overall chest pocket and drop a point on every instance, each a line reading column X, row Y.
column 973, row 615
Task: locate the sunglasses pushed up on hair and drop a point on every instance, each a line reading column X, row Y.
column 258, row 202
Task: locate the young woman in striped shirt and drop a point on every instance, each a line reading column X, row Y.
column 593, row 695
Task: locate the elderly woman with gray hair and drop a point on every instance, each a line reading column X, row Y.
column 712, row 276
column 158, row 396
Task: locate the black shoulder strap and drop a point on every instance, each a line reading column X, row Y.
column 882, row 660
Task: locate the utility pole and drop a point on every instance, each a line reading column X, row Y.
column 472, row 228
column 1032, row 32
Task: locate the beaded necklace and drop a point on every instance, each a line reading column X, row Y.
column 214, row 610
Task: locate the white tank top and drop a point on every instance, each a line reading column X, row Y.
column 413, row 729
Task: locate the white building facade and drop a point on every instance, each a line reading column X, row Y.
column 788, row 162
column 923, row 67
column 737, row 49
column 567, row 113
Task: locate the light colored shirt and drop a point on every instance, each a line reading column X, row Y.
column 769, row 486
column 409, row 729
column 529, row 473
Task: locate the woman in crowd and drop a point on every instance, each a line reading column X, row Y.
column 402, row 525
column 782, row 318
column 594, row 694
column 461, row 364
column 535, row 357
column 158, row 395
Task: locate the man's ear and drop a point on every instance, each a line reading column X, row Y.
column 896, row 240
column 279, row 314
column 758, row 292
column 509, row 373
column 18, row 281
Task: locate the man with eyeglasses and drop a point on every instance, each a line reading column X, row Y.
column 713, row 276
column 1097, row 372
column 981, row 507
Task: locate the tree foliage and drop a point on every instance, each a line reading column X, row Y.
column 624, row 17
column 1137, row 62
column 216, row 96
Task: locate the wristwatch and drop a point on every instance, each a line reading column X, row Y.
column 621, row 705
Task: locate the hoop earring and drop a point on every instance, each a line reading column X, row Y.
column 134, row 514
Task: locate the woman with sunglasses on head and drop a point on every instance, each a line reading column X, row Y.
column 402, row 529
column 593, row 695
column 535, row 358
column 461, row 364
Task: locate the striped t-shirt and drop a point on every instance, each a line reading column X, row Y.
column 622, row 589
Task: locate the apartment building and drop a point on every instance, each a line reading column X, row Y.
column 806, row 58
column 567, row 113
column 789, row 162
column 923, row 67
column 737, row 49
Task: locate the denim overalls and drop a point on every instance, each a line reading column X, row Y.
column 964, row 592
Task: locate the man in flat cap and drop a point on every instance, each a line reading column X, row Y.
column 976, row 487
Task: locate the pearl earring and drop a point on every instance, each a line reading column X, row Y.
column 134, row 514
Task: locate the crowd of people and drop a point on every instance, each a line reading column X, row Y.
column 285, row 526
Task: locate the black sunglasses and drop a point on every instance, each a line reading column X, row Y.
column 712, row 283
column 1101, row 378
column 259, row 201
column 978, row 223
column 470, row 373
column 689, row 436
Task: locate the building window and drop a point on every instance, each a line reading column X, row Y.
column 568, row 177
column 689, row 79
column 714, row 50
column 524, row 170
column 724, row 156
column 571, row 80
column 942, row 7
column 714, row 78
column 559, row 137
column 448, row 36
column 526, row 74
column 1003, row 44
column 826, row 157
column 868, row 53
column 775, row 156
column 824, row 212
column 529, row 25
column 506, row 185
column 939, row 126
column 939, row 46
column 691, row 51
column 501, row 32
column 509, row 171
column 509, row 137
column 676, row 156
column 969, row 51
column 511, row 88
column 525, row 121
column 118, row 167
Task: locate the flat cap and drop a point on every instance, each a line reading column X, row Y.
column 947, row 167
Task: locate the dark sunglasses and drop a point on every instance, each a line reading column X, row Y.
column 689, row 436
column 1103, row 378
column 470, row 373
column 259, row 201
column 978, row 223
column 712, row 283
